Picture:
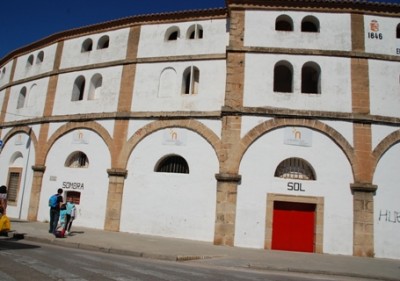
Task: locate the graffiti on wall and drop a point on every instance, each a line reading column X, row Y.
column 389, row 216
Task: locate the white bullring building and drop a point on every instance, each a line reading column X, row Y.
column 265, row 124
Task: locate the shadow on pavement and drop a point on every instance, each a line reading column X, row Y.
column 14, row 244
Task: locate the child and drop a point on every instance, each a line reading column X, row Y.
column 5, row 224
column 71, row 212
column 62, row 222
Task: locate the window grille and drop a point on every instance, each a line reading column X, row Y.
column 295, row 168
column 14, row 180
column 173, row 164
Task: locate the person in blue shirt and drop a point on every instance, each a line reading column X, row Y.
column 70, row 214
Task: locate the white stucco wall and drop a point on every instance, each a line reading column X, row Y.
column 386, row 205
column 36, row 93
column 333, row 174
column 380, row 132
column 384, row 87
column 335, row 31
column 171, row 204
column 5, row 72
column 92, row 207
column 153, row 43
column 72, row 55
column 335, row 83
column 106, row 101
column 380, row 37
column 18, row 152
column 210, row 95
column 23, row 70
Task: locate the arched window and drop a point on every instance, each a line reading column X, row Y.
column 172, row 164
column 284, row 23
column 283, row 77
column 168, row 83
column 77, row 159
column 87, row 45
column 29, row 62
column 311, row 78
column 95, row 86
column 32, row 96
column 103, row 42
column 295, row 168
column 172, row 33
column 195, row 32
column 2, row 73
column 310, row 24
column 191, row 79
column 78, row 89
column 398, row 31
column 40, row 57
column 21, row 98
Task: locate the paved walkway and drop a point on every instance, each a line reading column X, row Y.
column 182, row 250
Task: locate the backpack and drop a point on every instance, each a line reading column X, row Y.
column 53, row 200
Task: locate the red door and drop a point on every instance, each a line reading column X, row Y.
column 293, row 226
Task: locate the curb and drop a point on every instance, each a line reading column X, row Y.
column 184, row 258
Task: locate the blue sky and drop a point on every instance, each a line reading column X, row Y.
column 25, row 21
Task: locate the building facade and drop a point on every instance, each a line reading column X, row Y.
column 262, row 125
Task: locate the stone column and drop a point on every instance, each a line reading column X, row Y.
column 226, row 208
column 228, row 177
column 114, row 199
column 38, row 172
column 363, row 235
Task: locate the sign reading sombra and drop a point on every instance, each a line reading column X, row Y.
column 298, row 136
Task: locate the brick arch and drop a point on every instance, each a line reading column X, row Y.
column 389, row 141
column 24, row 129
column 147, row 130
column 93, row 126
column 274, row 124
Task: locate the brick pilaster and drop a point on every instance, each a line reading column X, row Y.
column 36, row 189
column 363, row 210
column 114, row 198
column 117, row 173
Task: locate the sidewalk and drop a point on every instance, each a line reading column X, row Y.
column 183, row 250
